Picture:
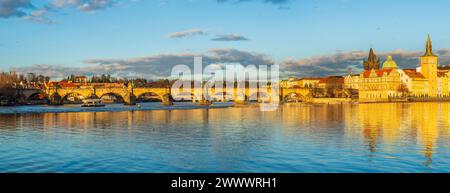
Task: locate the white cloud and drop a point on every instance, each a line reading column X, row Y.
column 27, row 10
column 160, row 65
column 154, row 66
column 229, row 38
column 187, row 33
column 39, row 16
column 84, row 5
column 340, row 63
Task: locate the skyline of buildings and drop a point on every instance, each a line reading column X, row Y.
column 387, row 82
column 383, row 84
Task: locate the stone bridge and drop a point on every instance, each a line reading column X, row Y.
column 301, row 94
column 130, row 95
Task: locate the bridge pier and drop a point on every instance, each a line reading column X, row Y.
column 240, row 102
column 240, row 99
column 130, row 99
column 167, row 100
column 55, row 100
column 205, row 102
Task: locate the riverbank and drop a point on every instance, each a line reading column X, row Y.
column 410, row 100
column 332, row 101
column 351, row 101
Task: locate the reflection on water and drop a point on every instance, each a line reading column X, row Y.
column 398, row 137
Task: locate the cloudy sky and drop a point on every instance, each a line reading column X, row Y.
column 147, row 37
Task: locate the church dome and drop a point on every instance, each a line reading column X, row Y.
column 390, row 63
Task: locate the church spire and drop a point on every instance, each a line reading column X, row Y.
column 372, row 62
column 372, row 55
column 429, row 47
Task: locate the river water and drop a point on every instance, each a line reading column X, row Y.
column 395, row 137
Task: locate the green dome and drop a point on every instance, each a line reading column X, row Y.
column 390, row 63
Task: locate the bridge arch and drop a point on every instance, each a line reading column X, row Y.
column 185, row 96
column 149, row 97
column 112, row 97
column 294, row 97
column 73, row 97
column 37, row 96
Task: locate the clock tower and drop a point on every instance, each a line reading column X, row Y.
column 429, row 63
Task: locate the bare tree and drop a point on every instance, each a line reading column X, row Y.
column 402, row 88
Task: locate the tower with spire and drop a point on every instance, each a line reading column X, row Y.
column 429, row 47
column 372, row 62
column 429, row 63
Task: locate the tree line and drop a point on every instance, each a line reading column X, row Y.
column 14, row 80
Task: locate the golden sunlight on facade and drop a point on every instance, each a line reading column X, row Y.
column 389, row 83
column 382, row 81
column 380, row 84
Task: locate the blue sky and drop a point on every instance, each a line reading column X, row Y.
column 307, row 38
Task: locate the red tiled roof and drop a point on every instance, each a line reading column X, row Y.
column 444, row 68
column 338, row 79
column 66, row 84
column 442, row 74
column 324, row 80
column 378, row 72
column 412, row 73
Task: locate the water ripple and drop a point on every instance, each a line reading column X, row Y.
column 187, row 138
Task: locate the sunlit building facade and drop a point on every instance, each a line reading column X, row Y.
column 415, row 82
column 351, row 81
column 387, row 83
column 380, row 85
